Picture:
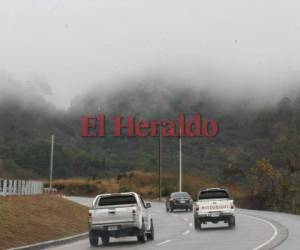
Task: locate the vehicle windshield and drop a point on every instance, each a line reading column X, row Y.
column 180, row 195
column 117, row 200
column 213, row 194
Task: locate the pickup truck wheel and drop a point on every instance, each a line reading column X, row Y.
column 150, row 235
column 197, row 224
column 231, row 222
column 167, row 210
column 94, row 241
column 105, row 240
column 142, row 236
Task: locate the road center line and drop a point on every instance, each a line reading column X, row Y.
column 162, row 243
column 275, row 231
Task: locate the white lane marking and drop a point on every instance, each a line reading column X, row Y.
column 69, row 245
column 191, row 224
column 164, row 242
column 174, row 215
column 185, row 219
column 275, row 231
column 186, row 232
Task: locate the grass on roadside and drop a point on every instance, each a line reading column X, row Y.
column 31, row 219
column 144, row 183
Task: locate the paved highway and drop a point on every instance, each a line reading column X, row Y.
column 255, row 230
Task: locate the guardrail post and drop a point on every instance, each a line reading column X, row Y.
column 30, row 187
column 26, row 187
column 23, row 187
column 4, row 187
column 18, row 187
column 10, row 191
column 15, row 187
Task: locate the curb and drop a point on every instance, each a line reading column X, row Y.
column 45, row 244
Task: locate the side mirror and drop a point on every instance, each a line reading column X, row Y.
column 148, row 205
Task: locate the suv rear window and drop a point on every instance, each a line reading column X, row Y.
column 213, row 194
column 180, row 195
column 117, row 200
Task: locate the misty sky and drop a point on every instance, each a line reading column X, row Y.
column 73, row 45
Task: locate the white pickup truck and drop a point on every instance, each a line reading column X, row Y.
column 118, row 215
column 214, row 205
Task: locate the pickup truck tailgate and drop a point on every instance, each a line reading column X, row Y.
column 214, row 205
column 114, row 215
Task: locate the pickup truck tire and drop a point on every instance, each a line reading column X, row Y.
column 231, row 222
column 142, row 236
column 197, row 224
column 150, row 234
column 105, row 240
column 93, row 241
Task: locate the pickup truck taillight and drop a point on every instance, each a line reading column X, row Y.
column 133, row 212
column 90, row 217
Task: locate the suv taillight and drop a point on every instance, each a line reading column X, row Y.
column 90, row 217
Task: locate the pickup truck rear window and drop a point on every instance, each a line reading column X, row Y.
column 213, row 194
column 117, row 200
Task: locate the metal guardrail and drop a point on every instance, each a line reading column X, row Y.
column 20, row 187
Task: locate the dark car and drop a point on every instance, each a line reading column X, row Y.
column 179, row 200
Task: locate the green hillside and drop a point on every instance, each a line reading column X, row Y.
column 248, row 133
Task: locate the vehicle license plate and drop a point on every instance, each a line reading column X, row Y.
column 215, row 214
column 112, row 228
column 182, row 201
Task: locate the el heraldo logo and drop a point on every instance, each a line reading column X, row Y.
column 196, row 126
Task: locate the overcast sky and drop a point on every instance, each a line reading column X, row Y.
column 72, row 45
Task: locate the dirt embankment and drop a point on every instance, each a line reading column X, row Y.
column 31, row 219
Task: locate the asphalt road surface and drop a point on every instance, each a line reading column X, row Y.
column 255, row 230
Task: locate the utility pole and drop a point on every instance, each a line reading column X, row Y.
column 159, row 165
column 180, row 162
column 51, row 160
